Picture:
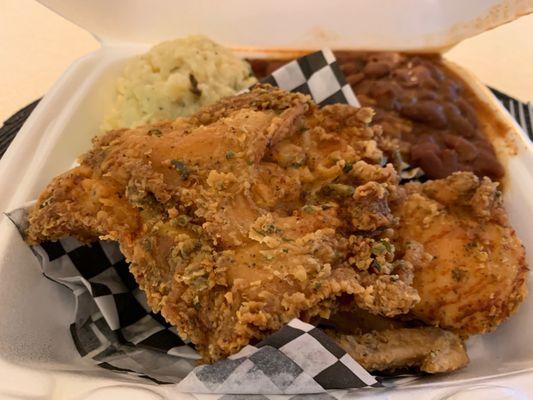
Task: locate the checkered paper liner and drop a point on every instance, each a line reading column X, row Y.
column 113, row 325
column 299, row 358
column 317, row 75
column 115, row 328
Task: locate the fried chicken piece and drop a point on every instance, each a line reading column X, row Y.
column 390, row 345
column 243, row 216
column 394, row 344
column 470, row 267
column 428, row 349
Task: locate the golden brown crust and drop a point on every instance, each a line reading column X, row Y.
column 244, row 216
column 430, row 350
column 474, row 275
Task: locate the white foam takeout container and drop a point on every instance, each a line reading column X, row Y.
column 37, row 356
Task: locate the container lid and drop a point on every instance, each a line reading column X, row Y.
column 416, row 25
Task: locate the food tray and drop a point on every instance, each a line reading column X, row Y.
column 35, row 346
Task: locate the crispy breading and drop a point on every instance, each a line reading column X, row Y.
column 262, row 208
column 428, row 349
column 470, row 267
column 246, row 215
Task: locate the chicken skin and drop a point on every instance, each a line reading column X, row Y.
column 427, row 349
column 256, row 210
column 470, row 268
column 394, row 345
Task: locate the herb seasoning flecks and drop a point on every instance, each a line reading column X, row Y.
column 181, row 168
column 194, row 85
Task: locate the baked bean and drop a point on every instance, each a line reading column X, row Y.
column 426, row 156
column 464, row 148
column 467, row 111
column 350, row 68
column 425, row 94
column 386, row 94
column 376, row 69
column 354, row 79
column 426, row 111
column 457, row 122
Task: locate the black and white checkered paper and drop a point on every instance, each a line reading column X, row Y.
column 317, row 75
column 115, row 328
column 299, row 358
column 113, row 325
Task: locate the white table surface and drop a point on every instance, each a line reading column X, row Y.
column 36, row 46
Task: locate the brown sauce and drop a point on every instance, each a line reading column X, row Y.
column 428, row 108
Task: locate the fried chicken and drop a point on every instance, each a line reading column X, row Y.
column 470, row 268
column 256, row 210
column 263, row 208
column 428, row 349
column 393, row 345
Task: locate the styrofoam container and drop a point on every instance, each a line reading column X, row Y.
column 37, row 357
